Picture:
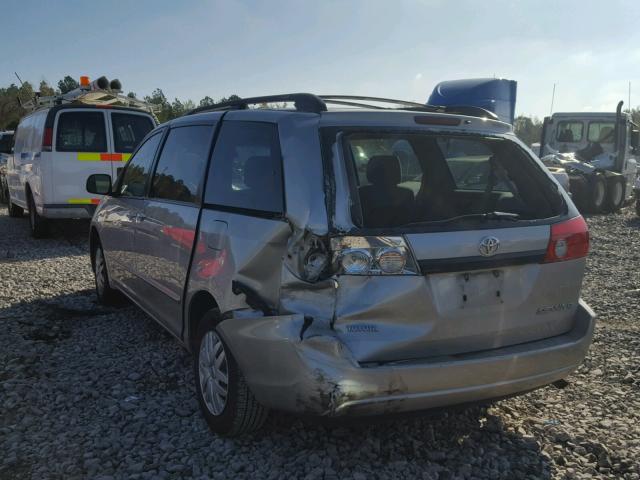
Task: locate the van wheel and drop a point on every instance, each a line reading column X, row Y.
column 38, row 224
column 226, row 402
column 597, row 194
column 615, row 194
column 106, row 295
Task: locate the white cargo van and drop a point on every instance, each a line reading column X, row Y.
column 56, row 149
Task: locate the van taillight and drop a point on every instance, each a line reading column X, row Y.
column 47, row 139
column 569, row 240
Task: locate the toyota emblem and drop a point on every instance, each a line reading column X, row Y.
column 488, row 246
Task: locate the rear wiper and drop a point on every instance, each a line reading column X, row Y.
column 511, row 217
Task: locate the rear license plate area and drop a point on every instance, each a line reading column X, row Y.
column 478, row 289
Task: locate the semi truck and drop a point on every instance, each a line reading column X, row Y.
column 599, row 153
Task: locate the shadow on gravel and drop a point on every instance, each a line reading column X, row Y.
column 137, row 379
column 633, row 222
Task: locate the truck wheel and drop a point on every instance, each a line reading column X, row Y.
column 38, row 224
column 14, row 210
column 615, row 194
column 225, row 400
column 106, row 295
column 597, row 194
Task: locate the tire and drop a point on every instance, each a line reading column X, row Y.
column 615, row 194
column 596, row 194
column 106, row 295
column 230, row 408
column 39, row 225
column 638, row 204
column 14, row 210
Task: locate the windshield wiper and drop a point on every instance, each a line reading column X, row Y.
column 499, row 216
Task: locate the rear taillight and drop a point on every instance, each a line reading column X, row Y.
column 47, row 139
column 569, row 240
column 372, row 256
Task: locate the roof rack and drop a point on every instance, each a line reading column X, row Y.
column 303, row 102
column 100, row 92
column 308, row 102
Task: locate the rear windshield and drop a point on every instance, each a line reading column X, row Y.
column 129, row 130
column 412, row 178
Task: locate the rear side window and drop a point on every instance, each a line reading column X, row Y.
column 81, row 132
column 134, row 179
column 569, row 132
column 181, row 164
column 129, row 130
column 246, row 170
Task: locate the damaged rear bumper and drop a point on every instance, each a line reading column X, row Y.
column 317, row 375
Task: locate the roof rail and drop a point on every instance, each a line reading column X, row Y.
column 308, row 102
column 303, row 102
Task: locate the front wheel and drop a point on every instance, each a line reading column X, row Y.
column 38, row 224
column 106, row 295
column 225, row 400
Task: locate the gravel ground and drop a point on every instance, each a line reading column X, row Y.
column 90, row 392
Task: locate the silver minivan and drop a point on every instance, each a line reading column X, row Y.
column 382, row 257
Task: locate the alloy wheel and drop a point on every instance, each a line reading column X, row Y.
column 213, row 371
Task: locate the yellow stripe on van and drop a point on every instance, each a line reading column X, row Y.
column 84, row 201
column 103, row 157
column 89, row 156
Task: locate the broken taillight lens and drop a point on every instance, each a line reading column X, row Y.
column 372, row 256
column 569, row 240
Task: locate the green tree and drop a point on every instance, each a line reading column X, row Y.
column 67, row 84
column 164, row 111
column 45, row 89
column 528, row 129
column 131, row 95
column 206, row 101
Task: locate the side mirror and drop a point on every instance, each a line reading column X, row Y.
column 635, row 139
column 99, row 183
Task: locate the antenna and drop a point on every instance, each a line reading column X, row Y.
column 553, row 97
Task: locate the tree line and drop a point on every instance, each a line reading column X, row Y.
column 528, row 129
column 13, row 97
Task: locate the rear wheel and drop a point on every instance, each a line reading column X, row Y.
column 38, row 224
column 106, row 295
column 226, row 402
column 596, row 194
column 615, row 194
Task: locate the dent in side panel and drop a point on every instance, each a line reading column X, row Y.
column 238, row 260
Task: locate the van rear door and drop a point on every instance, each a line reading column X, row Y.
column 80, row 148
column 126, row 131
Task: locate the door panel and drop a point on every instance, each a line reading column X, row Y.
column 118, row 220
column 164, row 241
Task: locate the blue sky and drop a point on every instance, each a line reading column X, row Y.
column 398, row 49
